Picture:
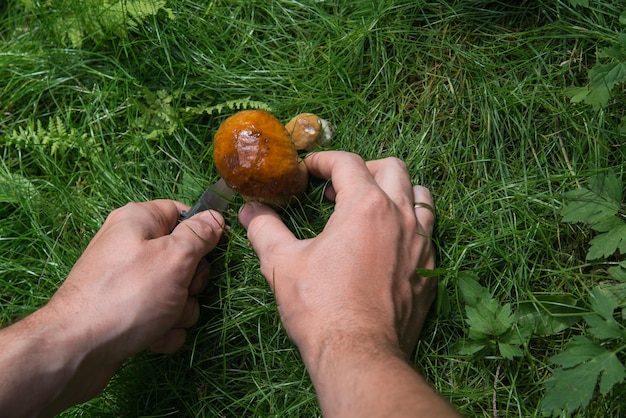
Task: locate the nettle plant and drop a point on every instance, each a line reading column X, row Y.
column 591, row 360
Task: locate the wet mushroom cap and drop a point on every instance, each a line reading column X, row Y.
column 308, row 131
column 255, row 155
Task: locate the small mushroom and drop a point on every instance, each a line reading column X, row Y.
column 309, row 131
column 255, row 155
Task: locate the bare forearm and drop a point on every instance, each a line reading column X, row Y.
column 373, row 383
column 45, row 368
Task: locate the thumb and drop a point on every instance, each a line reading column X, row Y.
column 199, row 234
column 266, row 231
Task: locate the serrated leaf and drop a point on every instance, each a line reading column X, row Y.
column 618, row 273
column 470, row 347
column 607, row 185
column 471, row 291
column 573, row 388
column 598, row 96
column 579, row 350
column 504, row 316
column 605, row 329
column 576, row 94
column 489, row 319
column 587, row 206
column 602, row 79
column 606, row 244
column 479, row 326
column 508, row 351
column 568, row 389
column 608, row 224
column 615, row 52
column 615, row 291
column 614, row 373
column 602, row 304
column 583, row 362
column 549, row 314
column 481, row 322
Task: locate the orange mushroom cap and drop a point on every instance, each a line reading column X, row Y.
column 255, row 155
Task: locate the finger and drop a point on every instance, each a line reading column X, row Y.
column 199, row 234
column 157, row 217
column 190, row 314
column 330, row 192
column 200, row 279
column 424, row 210
column 392, row 176
column 171, row 342
column 348, row 172
column 425, row 290
column 266, row 232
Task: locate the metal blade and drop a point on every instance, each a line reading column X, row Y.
column 216, row 197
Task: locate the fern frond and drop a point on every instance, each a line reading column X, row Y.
column 55, row 138
column 237, row 104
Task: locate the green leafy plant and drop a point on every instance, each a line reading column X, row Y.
column 96, row 18
column 608, row 72
column 496, row 329
column 600, row 206
column 590, row 360
column 596, row 358
column 14, row 187
column 548, row 314
column 160, row 114
column 56, row 138
column 493, row 328
column 237, row 104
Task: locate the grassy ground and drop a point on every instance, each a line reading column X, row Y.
column 101, row 106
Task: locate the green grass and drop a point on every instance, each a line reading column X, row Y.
column 469, row 93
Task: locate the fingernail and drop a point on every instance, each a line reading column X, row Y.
column 212, row 218
column 246, row 212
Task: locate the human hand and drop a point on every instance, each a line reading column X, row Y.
column 133, row 288
column 139, row 276
column 135, row 285
column 355, row 283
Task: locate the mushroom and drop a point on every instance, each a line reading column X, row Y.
column 256, row 156
column 308, row 131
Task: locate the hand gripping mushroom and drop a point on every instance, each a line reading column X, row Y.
column 257, row 155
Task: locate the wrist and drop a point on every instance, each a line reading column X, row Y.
column 352, row 372
column 340, row 348
column 371, row 377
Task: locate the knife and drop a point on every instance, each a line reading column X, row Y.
column 216, row 197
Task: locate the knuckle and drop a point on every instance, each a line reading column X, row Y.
column 354, row 158
column 376, row 202
column 397, row 163
column 120, row 212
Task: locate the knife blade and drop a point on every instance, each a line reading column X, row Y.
column 216, row 197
